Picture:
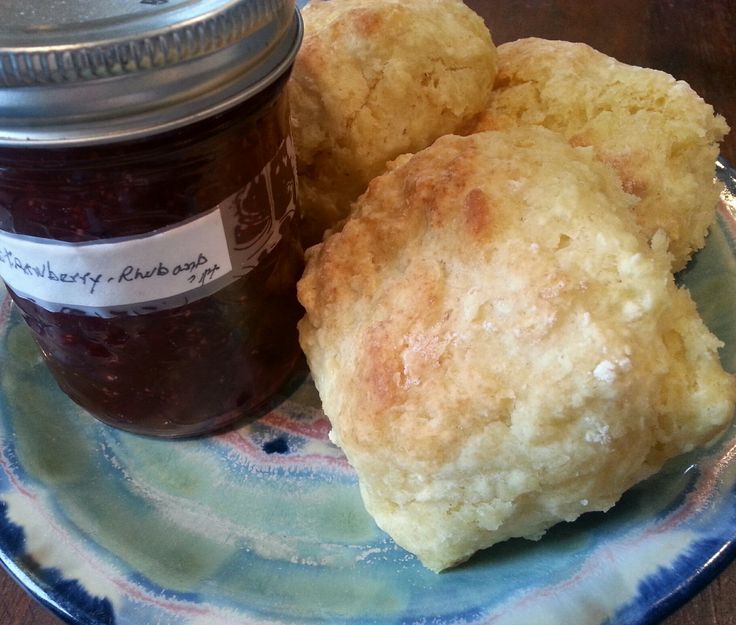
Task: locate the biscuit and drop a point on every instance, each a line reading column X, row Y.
column 498, row 347
column 374, row 79
column 658, row 134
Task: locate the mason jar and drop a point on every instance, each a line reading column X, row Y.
column 148, row 203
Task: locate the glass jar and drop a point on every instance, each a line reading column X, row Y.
column 148, row 219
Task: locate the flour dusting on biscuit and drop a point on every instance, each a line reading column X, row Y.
column 498, row 347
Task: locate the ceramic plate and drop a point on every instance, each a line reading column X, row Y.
column 263, row 525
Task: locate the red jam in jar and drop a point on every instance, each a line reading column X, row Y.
column 155, row 258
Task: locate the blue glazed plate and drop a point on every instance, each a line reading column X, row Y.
column 263, row 524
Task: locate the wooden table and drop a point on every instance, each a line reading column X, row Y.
column 694, row 40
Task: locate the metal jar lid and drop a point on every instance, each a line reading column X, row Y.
column 77, row 72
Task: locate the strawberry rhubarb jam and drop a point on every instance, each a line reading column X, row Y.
column 150, row 239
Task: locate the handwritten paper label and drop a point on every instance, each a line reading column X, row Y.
column 117, row 273
column 162, row 269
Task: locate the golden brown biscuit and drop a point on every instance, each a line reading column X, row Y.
column 375, row 79
column 497, row 346
column 658, row 134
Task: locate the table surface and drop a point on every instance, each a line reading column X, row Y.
column 692, row 40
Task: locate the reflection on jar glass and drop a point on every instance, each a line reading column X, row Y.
column 157, row 268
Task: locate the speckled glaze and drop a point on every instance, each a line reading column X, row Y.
column 263, row 524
